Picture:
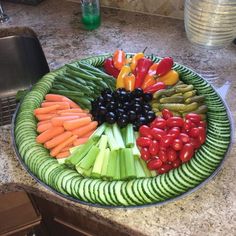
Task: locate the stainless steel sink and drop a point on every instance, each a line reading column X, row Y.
column 22, row 63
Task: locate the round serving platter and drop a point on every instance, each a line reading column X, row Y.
column 158, row 190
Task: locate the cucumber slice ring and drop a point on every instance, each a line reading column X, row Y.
column 220, row 123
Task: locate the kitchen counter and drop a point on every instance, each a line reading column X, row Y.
column 209, row 211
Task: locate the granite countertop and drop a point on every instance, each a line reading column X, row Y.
column 209, row 211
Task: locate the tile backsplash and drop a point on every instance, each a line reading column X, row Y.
column 169, row 8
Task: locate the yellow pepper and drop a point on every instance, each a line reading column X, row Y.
column 171, row 78
column 124, row 72
column 135, row 59
column 129, row 82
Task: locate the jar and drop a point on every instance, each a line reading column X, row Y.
column 210, row 23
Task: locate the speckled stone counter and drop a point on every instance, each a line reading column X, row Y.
column 209, row 211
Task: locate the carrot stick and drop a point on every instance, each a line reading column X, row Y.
column 72, row 104
column 80, row 141
column 85, row 129
column 67, row 148
column 62, row 105
column 59, row 120
column 44, row 127
column 43, row 117
column 73, row 110
column 73, row 124
column 57, row 140
column 59, row 147
column 76, row 114
column 88, row 134
column 45, row 110
column 43, row 122
column 62, row 154
column 60, row 98
column 49, row 134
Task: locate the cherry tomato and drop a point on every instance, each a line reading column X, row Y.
column 177, row 144
column 143, row 141
column 175, row 122
column 163, row 155
column 145, row 154
column 195, row 118
column 154, row 148
column 184, row 137
column 187, row 152
column 195, row 142
column 166, row 114
column 202, row 124
column 171, row 154
column 166, row 141
column 175, row 132
column 176, row 163
column 164, row 168
column 157, row 133
column 154, row 164
column 145, row 131
column 194, row 132
column 159, row 123
column 202, row 135
column 188, row 124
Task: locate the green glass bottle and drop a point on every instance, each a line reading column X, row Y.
column 91, row 17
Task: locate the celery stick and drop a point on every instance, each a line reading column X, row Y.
column 99, row 131
column 89, row 159
column 153, row 173
column 79, row 154
column 129, row 163
column 111, row 167
column 122, row 164
column 88, row 172
column 105, row 162
column 73, row 149
column 135, row 149
column 97, row 168
column 117, row 168
column 111, row 140
column 123, row 132
column 146, row 170
column 129, row 136
column 61, row 160
column 117, row 135
column 139, row 169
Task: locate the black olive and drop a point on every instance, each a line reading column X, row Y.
column 147, row 97
column 111, row 106
column 137, row 108
column 142, row 120
column 102, row 110
column 122, row 121
column 106, row 91
column 150, row 116
column 108, row 97
column 138, row 92
column 147, row 107
column 110, row 118
column 100, row 100
column 132, row 115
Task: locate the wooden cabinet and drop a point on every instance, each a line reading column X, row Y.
column 18, row 216
column 62, row 222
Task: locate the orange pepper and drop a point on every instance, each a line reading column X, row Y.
column 171, row 78
column 119, row 58
column 120, row 81
column 129, row 82
column 135, row 59
column 150, row 78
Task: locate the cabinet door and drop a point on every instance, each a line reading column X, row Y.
column 62, row 221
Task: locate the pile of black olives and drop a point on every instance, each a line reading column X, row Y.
column 123, row 107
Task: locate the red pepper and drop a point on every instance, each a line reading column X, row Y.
column 155, row 87
column 141, row 70
column 110, row 68
column 164, row 66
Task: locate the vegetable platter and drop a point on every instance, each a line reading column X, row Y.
column 122, row 130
